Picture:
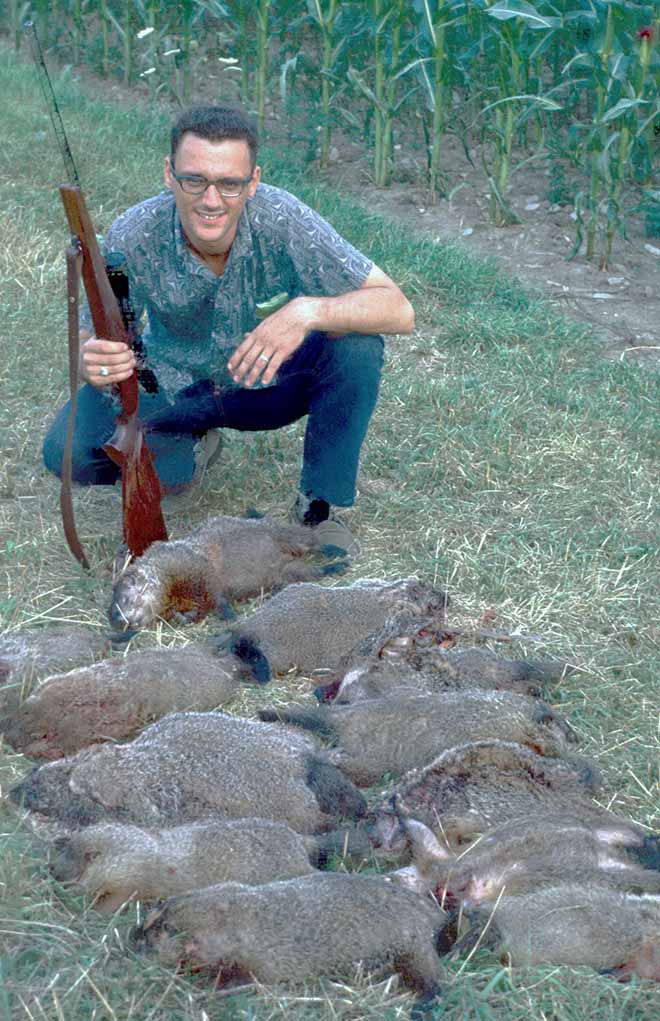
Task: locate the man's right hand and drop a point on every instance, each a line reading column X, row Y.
column 104, row 362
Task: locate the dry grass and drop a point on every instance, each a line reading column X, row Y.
column 505, row 461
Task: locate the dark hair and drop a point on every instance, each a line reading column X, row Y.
column 215, row 123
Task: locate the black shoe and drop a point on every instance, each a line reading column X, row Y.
column 317, row 514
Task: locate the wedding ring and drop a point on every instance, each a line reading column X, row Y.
column 264, row 358
column 104, row 371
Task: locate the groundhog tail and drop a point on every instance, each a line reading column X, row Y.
column 307, row 719
column 248, row 652
column 648, row 853
column 336, row 795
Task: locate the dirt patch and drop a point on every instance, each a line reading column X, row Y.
column 622, row 302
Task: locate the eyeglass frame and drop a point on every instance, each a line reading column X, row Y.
column 240, row 182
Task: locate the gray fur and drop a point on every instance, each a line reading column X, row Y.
column 526, row 854
column 28, row 656
column 302, row 929
column 117, row 698
column 403, row 663
column 312, row 627
column 114, row 861
column 224, row 559
column 472, row 787
column 191, row 766
column 394, row 735
column 578, row 924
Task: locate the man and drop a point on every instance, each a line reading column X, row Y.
column 199, row 258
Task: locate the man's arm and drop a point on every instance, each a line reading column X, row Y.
column 378, row 306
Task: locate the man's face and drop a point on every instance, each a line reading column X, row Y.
column 209, row 220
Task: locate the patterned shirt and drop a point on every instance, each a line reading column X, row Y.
column 191, row 319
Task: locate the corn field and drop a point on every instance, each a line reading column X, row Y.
column 574, row 84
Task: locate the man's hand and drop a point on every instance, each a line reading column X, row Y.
column 378, row 306
column 104, row 362
column 273, row 341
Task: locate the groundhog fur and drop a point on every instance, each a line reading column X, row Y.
column 395, row 735
column 114, row 861
column 470, row 788
column 192, row 766
column 28, row 656
column 574, row 924
column 116, row 698
column 473, row 787
column 311, row 627
column 225, row 559
column 530, row 853
column 402, row 662
column 301, row 929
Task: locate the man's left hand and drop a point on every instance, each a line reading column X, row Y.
column 274, row 340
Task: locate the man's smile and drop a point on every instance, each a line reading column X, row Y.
column 211, row 217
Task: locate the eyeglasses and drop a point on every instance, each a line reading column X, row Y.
column 194, row 184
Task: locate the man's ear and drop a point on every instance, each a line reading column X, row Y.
column 167, row 173
column 254, row 182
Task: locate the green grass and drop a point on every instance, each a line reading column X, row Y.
column 506, row 460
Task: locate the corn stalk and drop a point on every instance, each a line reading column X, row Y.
column 324, row 13
column 262, row 13
column 516, row 20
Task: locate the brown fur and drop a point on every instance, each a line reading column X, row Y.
column 311, row 627
column 117, row 698
column 578, row 924
column 28, row 656
column 191, row 766
column 115, row 861
column 302, row 929
column 527, row 854
column 472, row 787
column 407, row 663
column 226, row 558
column 398, row 734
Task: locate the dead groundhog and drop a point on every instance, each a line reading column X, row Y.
column 394, row 735
column 405, row 661
column 191, row 766
column 574, row 924
column 530, row 853
column 473, row 787
column 301, row 929
column 118, row 697
column 226, row 558
column 28, row 656
column 115, row 861
column 310, row 627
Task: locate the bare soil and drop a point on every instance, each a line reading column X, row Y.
column 622, row 302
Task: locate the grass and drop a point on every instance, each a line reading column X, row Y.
column 506, row 460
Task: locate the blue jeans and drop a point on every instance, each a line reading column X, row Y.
column 334, row 382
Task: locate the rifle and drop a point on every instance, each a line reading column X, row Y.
column 143, row 521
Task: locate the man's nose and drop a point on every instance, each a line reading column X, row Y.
column 213, row 196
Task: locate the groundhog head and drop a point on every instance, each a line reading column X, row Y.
column 423, row 598
column 135, row 600
column 46, row 791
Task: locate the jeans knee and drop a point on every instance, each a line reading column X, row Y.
column 357, row 360
column 88, row 467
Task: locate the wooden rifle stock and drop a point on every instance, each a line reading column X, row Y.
column 143, row 518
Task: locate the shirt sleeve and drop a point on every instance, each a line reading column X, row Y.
column 324, row 262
